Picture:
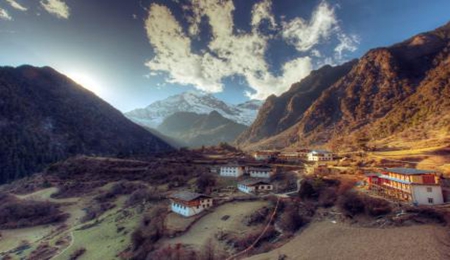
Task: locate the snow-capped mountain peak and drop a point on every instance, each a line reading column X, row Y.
column 196, row 102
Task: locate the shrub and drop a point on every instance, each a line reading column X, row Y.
column 328, row 197
column 351, row 203
column 20, row 214
column 96, row 211
column 376, row 207
column 142, row 195
column 430, row 213
column 290, row 220
column 150, row 230
column 77, row 253
column 204, row 181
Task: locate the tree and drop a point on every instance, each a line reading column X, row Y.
column 204, row 181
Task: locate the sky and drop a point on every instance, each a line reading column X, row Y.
column 134, row 52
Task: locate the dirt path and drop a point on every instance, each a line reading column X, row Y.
column 325, row 240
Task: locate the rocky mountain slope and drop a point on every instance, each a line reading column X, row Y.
column 154, row 114
column 46, row 117
column 392, row 94
column 196, row 130
column 279, row 113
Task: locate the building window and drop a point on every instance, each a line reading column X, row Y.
column 429, row 189
column 430, row 200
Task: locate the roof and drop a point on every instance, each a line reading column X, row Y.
column 372, row 174
column 268, row 169
column 408, row 171
column 187, row 196
column 320, row 152
column 231, row 165
column 251, row 182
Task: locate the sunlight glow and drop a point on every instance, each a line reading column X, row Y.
column 87, row 82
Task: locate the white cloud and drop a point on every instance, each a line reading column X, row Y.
column 57, row 8
column 4, row 15
column 263, row 11
column 305, row 35
column 346, row 43
column 16, row 5
column 229, row 54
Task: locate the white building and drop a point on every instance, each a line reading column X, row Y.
column 231, row 171
column 261, row 172
column 320, row 155
column 421, row 187
column 255, row 186
column 189, row 204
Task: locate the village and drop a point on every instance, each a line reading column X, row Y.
column 263, row 173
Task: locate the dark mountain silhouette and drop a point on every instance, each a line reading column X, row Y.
column 46, row 117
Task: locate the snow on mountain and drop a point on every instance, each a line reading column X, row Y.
column 200, row 103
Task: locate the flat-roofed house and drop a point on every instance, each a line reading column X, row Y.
column 320, row 155
column 189, row 204
column 421, row 187
column 232, row 170
column 261, row 172
column 255, row 186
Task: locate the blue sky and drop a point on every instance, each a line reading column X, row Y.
column 132, row 53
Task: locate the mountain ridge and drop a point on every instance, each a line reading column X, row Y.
column 201, row 103
column 46, row 117
column 381, row 98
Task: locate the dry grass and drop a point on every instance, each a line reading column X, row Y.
column 325, row 240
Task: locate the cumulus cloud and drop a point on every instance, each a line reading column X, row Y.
column 263, row 11
column 229, row 54
column 57, row 8
column 4, row 15
column 16, row 5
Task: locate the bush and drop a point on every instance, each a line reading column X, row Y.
column 328, row 197
column 290, row 220
column 351, row 203
column 141, row 196
column 20, row 214
column 79, row 252
column 430, row 213
column 96, row 211
column 205, row 181
column 151, row 229
column 376, row 207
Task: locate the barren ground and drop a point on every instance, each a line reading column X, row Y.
column 326, row 240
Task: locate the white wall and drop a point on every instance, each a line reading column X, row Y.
column 421, row 194
column 191, row 211
column 260, row 174
column 246, row 189
column 315, row 158
column 232, row 171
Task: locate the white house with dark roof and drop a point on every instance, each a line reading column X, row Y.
column 232, row 170
column 255, row 186
column 320, row 155
column 261, row 172
column 189, row 204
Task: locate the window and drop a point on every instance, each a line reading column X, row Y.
column 429, row 189
column 430, row 200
